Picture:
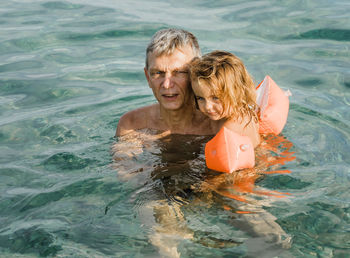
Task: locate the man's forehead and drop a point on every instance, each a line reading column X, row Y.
column 159, row 65
column 177, row 59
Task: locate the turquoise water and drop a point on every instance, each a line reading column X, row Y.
column 70, row 69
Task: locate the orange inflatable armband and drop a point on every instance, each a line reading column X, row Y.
column 274, row 106
column 229, row 151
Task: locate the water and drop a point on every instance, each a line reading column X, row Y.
column 70, row 69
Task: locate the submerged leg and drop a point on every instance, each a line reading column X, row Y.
column 268, row 237
column 167, row 226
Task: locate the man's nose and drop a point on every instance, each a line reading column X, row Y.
column 167, row 83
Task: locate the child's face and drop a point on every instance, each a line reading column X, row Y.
column 208, row 103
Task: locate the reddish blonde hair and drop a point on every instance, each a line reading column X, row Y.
column 229, row 81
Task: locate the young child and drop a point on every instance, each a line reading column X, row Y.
column 225, row 92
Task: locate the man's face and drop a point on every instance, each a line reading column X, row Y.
column 168, row 77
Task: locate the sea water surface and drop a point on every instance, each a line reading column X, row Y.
column 70, row 69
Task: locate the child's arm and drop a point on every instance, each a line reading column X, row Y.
column 241, row 127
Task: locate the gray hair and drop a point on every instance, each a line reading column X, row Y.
column 166, row 41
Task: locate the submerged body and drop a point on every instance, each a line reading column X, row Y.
column 173, row 183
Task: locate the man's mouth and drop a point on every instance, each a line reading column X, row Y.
column 170, row 96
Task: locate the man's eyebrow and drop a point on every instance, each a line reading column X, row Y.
column 182, row 68
column 176, row 69
column 154, row 70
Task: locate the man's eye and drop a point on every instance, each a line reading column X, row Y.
column 156, row 73
column 180, row 72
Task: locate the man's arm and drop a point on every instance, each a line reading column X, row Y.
column 125, row 152
column 133, row 120
column 125, row 124
column 129, row 144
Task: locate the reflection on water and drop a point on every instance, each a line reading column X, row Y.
column 177, row 182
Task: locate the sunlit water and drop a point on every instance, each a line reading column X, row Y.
column 70, row 69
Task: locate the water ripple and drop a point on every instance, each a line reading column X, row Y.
column 61, row 5
column 325, row 33
column 73, row 36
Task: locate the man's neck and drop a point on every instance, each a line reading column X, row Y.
column 178, row 121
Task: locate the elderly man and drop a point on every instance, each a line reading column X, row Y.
column 167, row 57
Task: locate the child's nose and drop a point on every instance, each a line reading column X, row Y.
column 208, row 105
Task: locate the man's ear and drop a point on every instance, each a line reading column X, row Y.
column 147, row 76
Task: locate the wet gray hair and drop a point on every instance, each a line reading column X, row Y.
column 166, row 41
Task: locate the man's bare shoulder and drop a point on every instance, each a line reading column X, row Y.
column 136, row 119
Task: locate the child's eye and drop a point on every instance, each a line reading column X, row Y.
column 199, row 98
column 214, row 98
